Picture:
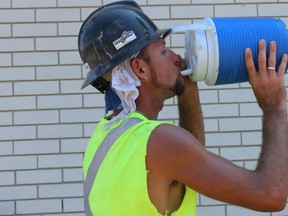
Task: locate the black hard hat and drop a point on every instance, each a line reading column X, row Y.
column 110, row 35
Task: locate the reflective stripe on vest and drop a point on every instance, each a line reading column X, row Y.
column 104, row 147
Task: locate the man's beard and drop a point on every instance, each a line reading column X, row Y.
column 178, row 88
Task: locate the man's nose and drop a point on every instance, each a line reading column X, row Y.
column 176, row 59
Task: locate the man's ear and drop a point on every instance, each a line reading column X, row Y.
column 139, row 68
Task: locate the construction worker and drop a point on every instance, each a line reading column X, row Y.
column 137, row 165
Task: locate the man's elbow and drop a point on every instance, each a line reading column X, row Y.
column 274, row 201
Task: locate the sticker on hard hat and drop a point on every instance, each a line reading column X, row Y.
column 126, row 37
column 86, row 68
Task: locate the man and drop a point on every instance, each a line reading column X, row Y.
column 136, row 165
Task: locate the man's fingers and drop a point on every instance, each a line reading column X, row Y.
column 283, row 65
column 250, row 63
column 272, row 56
column 262, row 66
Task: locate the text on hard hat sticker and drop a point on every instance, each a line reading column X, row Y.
column 126, row 37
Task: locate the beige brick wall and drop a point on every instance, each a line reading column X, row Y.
column 46, row 121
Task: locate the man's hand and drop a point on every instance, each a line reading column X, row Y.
column 268, row 86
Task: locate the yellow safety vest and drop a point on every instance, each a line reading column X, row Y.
column 115, row 180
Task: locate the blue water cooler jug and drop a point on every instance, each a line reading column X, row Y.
column 214, row 48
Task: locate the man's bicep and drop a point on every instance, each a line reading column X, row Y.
column 177, row 155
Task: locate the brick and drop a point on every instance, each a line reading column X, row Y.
column 178, row 40
column 12, row 103
column 35, row 58
column 18, row 192
column 73, row 145
column 38, row 176
column 6, row 148
column 140, row 2
column 80, row 115
column 223, row 139
column 89, row 129
column 59, row 101
column 240, row 153
column 76, row 3
column 17, row 132
column 5, row 30
column 241, row 10
column 73, row 205
column 36, row 88
column 208, row 96
column 204, row 200
column 36, row 147
column 85, row 12
column 170, row 101
column 35, row 29
column 211, row 125
column 72, row 86
column 168, row 2
column 16, row 16
column 60, row 161
column 5, row 59
column 215, row 151
column 6, row 89
column 94, row 100
column 212, row 1
column 57, row 14
column 250, row 109
column 220, row 110
column 256, row 1
column 210, row 210
column 60, row 131
column 33, row 3
column 236, row 95
column 5, row 118
column 17, row 73
column 72, row 175
column 251, row 165
column 12, row 45
column 56, row 43
column 204, row 86
column 5, row 4
column 239, row 163
column 239, row 211
column 63, row 214
column 60, row 190
column 278, row 10
column 58, row 72
column 240, row 124
column 195, row 11
column 36, row 117
column 18, row 162
column 69, row 28
column 7, row 178
column 70, row 57
column 164, row 24
column 157, row 12
column 168, row 112
column 39, row 206
column 7, row 208
column 252, row 138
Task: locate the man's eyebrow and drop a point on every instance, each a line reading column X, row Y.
column 162, row 42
